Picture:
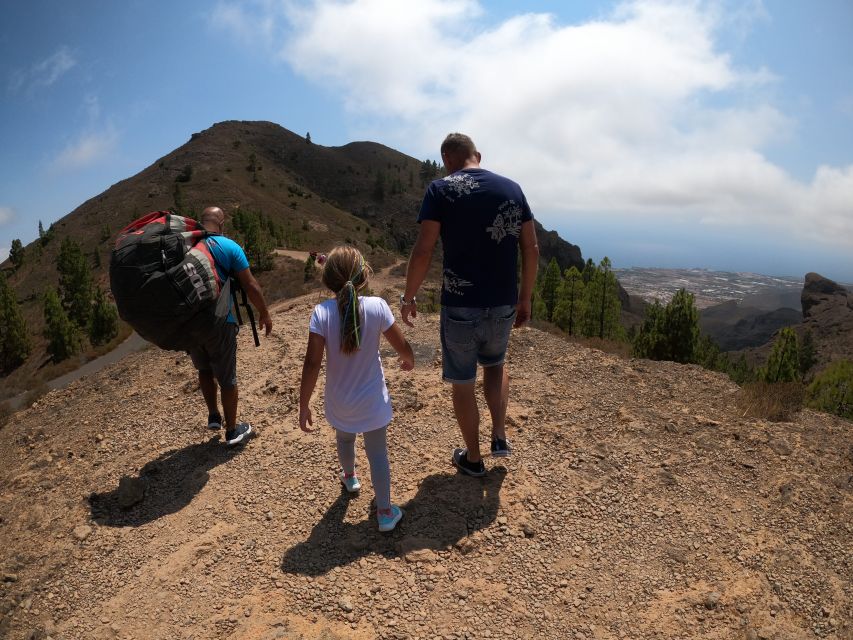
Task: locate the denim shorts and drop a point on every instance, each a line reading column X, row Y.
column 470, row 335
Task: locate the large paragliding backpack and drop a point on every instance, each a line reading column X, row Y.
column 165, row 283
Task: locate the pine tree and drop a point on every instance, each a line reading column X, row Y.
column 16, row 253
column 253, row 231
column 103, row 326
column 75, row 282
column 671, row 332
column 539, row 310
column 60, row 331
column 589, row 270
column 569, row 307
column 15, row 344
column 602, row 309
column 808, row 354
column 41, row 230
column 783, row 365
column 309, row 268
column 549, row 286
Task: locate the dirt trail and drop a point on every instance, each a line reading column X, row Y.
column 637, row 505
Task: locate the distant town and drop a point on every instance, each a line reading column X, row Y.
column 709, row 287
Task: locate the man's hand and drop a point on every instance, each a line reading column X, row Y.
column 265, row 322
column 409, row 310
column 305, row 418
column 522, row 312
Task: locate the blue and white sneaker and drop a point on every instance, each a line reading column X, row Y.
column 352, row 483
column 388, row 522
column 214, row 421
column 238, row 435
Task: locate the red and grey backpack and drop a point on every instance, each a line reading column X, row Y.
column 165, row 283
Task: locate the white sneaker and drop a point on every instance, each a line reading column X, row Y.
column 352, row 484
column 388, row 522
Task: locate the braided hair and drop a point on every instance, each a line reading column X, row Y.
column 346, row 273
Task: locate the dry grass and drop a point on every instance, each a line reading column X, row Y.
column 777, row 401
column 614, row 347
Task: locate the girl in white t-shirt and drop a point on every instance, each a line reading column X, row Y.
column 349, row 329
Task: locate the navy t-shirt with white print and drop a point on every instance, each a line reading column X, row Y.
column 481, row 214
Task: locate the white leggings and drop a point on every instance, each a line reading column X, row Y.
column 376, row 448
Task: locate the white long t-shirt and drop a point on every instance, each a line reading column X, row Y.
column 357, row 398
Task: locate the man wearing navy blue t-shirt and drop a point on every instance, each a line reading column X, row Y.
column 482, row 219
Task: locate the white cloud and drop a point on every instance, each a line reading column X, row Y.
column 87, row 149
column 7, row 214
column 637, row 112
column 44, row 73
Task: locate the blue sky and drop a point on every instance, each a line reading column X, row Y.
column 691, row 134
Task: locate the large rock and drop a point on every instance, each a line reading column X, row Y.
column 821, row 294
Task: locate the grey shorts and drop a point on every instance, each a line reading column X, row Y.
column 219, row 356
column 470, row 335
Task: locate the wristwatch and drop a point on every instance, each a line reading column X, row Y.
column 407, row 303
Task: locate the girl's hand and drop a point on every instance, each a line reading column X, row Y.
column 406, row 364
column 305, row 418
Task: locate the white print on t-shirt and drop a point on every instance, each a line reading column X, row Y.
column 454, row 284
column 458, row 185
column 507, row 222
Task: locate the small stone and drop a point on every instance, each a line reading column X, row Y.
column 269, row 515
column 99, row 437
column 529, row 531
column 711, row 600
column 10, row 577
column 345, row 605
column 83, row 531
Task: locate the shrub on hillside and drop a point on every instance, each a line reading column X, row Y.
column 832, row 390
column 776, row 401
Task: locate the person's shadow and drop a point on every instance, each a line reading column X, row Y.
column 164, row 485
column 447, row 508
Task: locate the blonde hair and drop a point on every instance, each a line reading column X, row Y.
column 346, row 273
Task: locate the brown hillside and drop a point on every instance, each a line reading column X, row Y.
column 638, row 504
column 322, row 196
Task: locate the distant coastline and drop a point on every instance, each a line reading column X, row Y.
column 708, row 286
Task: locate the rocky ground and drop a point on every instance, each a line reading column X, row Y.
column 638, row 504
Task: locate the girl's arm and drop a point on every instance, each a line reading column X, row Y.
column 401, row 346
column 310, row 371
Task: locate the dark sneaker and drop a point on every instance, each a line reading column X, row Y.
column 460, row 461
column 214, row 421
column 501, row 448
column 239, row 435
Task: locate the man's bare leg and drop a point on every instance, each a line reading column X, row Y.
column 468, row 416
column 496, row 390
column 229, row 406
column 208, row 390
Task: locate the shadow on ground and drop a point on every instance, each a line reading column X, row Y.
column 163, row 486
column 446, row 509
